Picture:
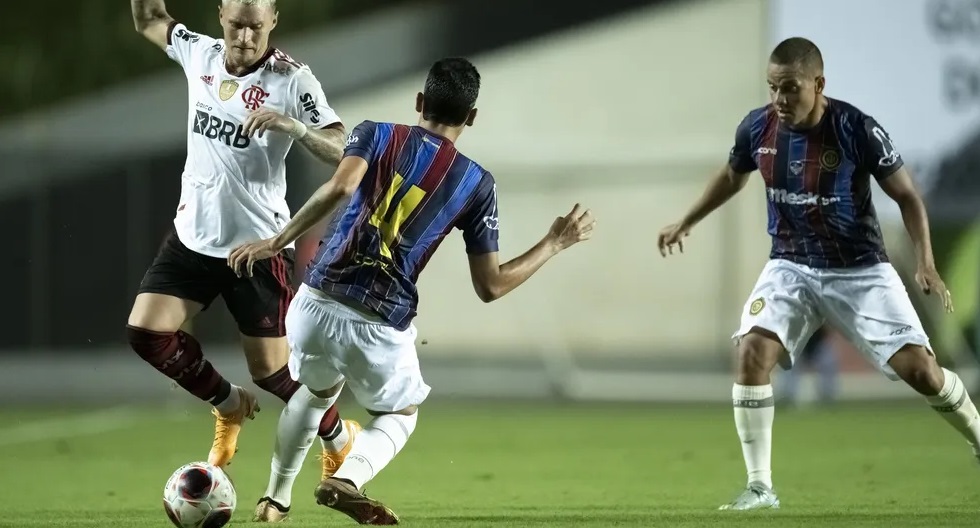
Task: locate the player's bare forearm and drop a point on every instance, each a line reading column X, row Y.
column 726, row 184
column 323, row 202
column 493, row 281
column 327, row 144
column 917, row 225
column 901, row 188
column 151, row 20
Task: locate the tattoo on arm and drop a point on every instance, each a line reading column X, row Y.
column 327, row 144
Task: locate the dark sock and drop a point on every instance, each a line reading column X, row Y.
column 330, row 425
column 280, row 384
column 283, row 387
column 178, row 356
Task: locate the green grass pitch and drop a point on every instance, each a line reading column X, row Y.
column 518, row 465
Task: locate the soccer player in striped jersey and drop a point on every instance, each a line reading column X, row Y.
column 817, row 157
column 351, row 321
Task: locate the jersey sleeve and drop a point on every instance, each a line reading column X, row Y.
column 878, row 153
column 361, row 141
column 740, row 157
column 182, row 44
column 479, row 222
column 310, row 104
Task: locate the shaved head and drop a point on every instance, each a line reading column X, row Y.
column 799, row 53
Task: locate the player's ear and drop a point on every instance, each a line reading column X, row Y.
column 471, row 117
column 821, row 82
column 275, row 20
column 419, row 99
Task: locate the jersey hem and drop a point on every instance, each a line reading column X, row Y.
column 215, row 252
column 327, row 289
column 825, row 263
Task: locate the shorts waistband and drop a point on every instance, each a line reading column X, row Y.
column 341, row 307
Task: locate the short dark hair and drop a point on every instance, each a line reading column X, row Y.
column 798, row 51
column 450, row 92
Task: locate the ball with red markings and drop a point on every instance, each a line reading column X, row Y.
column 199, row 495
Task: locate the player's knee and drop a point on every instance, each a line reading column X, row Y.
column 152, row 347
column 160, row 313
column 918, row 367
column 758, row 352
column 264, row 356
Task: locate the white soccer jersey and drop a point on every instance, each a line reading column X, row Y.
column 233, row 189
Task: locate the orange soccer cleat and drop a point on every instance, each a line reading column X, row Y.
column 227, row 427
column 332, row 461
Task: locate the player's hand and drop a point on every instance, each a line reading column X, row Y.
column 248, row 254
column 670, row 235
column 930, row 281
column 572, row 228
column 262, row 120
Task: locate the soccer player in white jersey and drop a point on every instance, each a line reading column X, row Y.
column 249, row 102
column 828, row 264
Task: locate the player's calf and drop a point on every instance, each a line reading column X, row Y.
column 944, row 391
column 917, row 367
column 267, row 358
column 178, row 356
column 758, row 352
column 303, row 418
column 375, row 446
column 752, row 400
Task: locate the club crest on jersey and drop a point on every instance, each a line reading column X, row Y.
column 830, row 160
column 227, row 89
column 757, row 306
column 796, row 167
column 254, row 97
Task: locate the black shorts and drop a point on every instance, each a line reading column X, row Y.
column 257, row 303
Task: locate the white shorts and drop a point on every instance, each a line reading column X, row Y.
column 330, row 342
column 869, row 306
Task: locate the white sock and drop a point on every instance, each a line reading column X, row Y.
column 375, row 446
column 229, row 404
column 337, row 439
column 955, row 406
column 754, row 413
column 298, row 425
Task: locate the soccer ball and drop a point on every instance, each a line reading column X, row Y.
column 199, row 495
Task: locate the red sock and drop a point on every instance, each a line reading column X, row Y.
column 280, row 384
column 330, row 425
column 178, row 356
column 283, row 387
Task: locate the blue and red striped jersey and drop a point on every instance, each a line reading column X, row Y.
column 417, row 188
column 818, row 183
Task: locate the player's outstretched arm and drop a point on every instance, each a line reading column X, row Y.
column 152, row 20
column 493, row 280
column 726, row 184
column 323, row 202
column 900, row 187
